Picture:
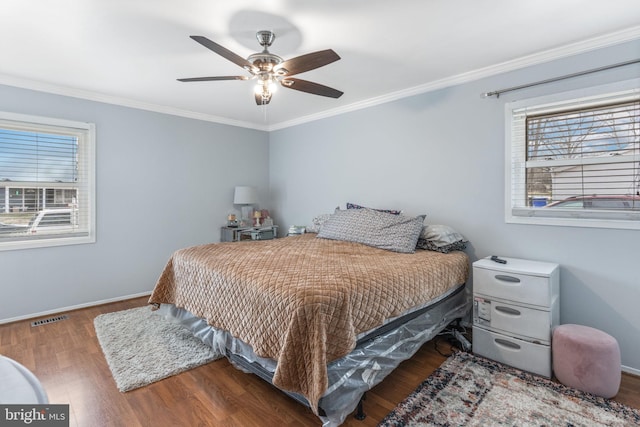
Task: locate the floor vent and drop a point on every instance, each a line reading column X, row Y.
column 49, row 320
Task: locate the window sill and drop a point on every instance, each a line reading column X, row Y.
column 573, row 221
column 45, row 243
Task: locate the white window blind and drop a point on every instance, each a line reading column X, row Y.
column 46, row 182
column 575, row 161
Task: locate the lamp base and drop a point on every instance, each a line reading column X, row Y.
column 246, row 214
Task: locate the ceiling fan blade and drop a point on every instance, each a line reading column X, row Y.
column 208, row 79
column 311, row 87
column 307, row 62
column 262, row 101
column 225, row 53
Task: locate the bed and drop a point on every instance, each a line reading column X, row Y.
column 322, row 319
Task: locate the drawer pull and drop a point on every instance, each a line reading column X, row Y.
column 507, row 278
column 508, row 344
column 507, row 310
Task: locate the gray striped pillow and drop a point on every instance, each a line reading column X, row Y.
column 398, row 233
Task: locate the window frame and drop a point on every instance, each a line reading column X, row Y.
column 627, row 90
column 87, row 167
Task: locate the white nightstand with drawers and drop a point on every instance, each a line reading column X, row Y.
column 515, row 307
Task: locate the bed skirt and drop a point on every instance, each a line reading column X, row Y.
column 376, row 355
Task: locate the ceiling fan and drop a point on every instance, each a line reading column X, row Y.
column 269, row 69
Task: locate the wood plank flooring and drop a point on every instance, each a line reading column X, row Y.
column 67, row 359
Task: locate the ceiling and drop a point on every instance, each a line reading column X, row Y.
column 130, row 52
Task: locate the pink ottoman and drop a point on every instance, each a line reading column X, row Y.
column 587, row 359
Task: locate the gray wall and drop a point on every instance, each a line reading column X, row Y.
column 163, row 182
column 442, row 153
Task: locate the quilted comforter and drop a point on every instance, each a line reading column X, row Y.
column 302, row 300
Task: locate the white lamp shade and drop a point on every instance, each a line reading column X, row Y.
column 245, row 195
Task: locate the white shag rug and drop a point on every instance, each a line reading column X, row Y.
column 142, row 347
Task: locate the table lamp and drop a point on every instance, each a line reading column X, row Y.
column 245, row 196
column 256, row 216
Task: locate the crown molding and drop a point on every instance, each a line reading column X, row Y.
column 565, row 51
column 123, row 102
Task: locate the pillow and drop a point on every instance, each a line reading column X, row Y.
column 317, row 222
column 430, row 246
column 398, row 233
column 391, row 211
column 441, row 238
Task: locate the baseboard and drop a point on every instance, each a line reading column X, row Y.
column 73, row 307
column 632, row 371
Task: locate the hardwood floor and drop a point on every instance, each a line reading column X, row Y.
column 67, row 359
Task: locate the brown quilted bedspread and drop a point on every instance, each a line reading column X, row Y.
column 302, row 300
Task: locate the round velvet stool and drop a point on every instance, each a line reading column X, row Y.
column 587, row 359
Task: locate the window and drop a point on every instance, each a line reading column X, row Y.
column 46, row 182
column 574, row 159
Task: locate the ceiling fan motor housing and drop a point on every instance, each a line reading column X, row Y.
column 265, row 61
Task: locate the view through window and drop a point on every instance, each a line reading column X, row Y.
column 585, row 158
column 45, row 181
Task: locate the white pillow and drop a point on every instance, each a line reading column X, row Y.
column 441, row 235
column 441, row 238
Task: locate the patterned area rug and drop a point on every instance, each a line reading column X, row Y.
column 468, row 390
column 142, row 347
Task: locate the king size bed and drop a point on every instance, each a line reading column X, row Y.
column 324, row 320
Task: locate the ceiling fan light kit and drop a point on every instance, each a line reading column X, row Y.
column 270, row 69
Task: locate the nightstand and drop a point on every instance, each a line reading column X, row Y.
column 236, row 234
column 515, row 307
